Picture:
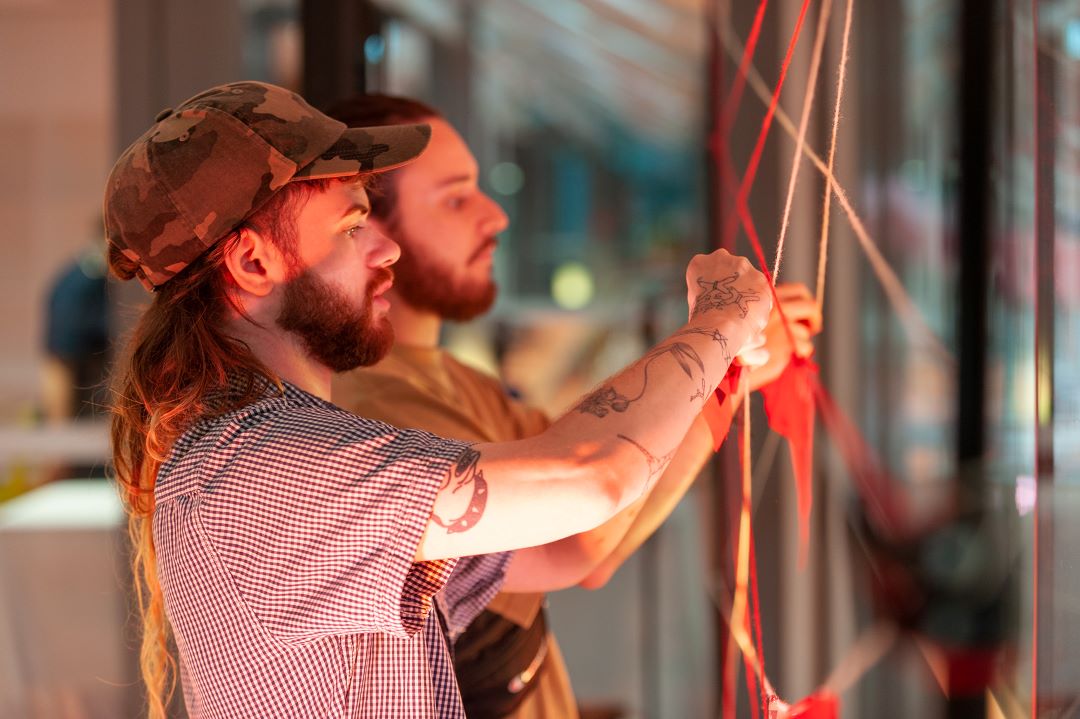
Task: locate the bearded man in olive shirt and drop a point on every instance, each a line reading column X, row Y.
column 507, row 662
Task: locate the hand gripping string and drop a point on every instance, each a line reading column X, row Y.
column 742, row 210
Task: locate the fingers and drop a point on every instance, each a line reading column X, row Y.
column 799, row 305
column 804, row 342
column 793, row 291
column 755, row 352
column 800, row 341
column 753, row 358
column 756, row 341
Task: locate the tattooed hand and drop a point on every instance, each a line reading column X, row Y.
column 722, row 282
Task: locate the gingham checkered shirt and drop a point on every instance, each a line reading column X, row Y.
column 285, row 535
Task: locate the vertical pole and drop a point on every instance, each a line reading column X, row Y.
column 334, row 33
column 977, row 64
column 1042, row 682
column 726, row 460
column 976, row 86
column 650, row 575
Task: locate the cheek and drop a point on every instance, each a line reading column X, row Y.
column 324, row 256
column 433, row 231
column 344, row 268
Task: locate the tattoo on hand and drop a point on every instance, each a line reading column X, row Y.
column 467, row 472
column 656, row 464
column 717, row 294
column 607, row 399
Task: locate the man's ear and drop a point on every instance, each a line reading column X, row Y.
column 255, row 263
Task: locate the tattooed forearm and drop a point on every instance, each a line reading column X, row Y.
column 717, row 294
column 656, row 464
column 466, row 472
column 714, row 335
column 607, row 399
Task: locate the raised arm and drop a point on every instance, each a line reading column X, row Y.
column 609, row 450
column 590, row 558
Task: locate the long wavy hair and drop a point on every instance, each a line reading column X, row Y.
column 180, row 366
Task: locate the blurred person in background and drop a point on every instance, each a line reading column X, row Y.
column 306, row 561
column 507, row 661
column 74, row 371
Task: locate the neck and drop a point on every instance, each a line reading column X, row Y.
column 413, row 327
column 284, row 355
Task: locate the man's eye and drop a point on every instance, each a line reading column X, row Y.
column 353, row 230
column 455, row 203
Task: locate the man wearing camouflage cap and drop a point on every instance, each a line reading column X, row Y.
column 307, row 560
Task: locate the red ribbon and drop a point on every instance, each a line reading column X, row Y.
column 822, row 705
column 789, row 404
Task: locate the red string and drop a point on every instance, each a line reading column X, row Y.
column 742, row 215
column 886, row 506
column 742, row 211
column 727, row 701
column 751, row 685
column 731, row 102
column 727, row 114
column 721, row 151
column 759, row 146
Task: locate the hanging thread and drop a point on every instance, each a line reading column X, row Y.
column 918, row 330
column 823, row 245
column 804, row 121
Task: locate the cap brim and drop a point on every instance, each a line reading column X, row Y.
column 368, row 149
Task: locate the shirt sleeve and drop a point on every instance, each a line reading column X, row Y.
column 316, row 515
column 474, row 583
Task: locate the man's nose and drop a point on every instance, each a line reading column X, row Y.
column 495, row 220
column 384, row 251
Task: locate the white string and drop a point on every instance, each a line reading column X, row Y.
column 823, row 245
column 916, row 327
column 808, row 102
column 740, row 604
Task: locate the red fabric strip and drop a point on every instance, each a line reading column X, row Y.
column 789, row 404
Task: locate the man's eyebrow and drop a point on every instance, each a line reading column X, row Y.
column 454, row 180
column 356, row 207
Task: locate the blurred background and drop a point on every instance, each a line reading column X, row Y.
column 604, row 128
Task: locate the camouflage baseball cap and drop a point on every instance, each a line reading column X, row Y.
column 211, row 162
